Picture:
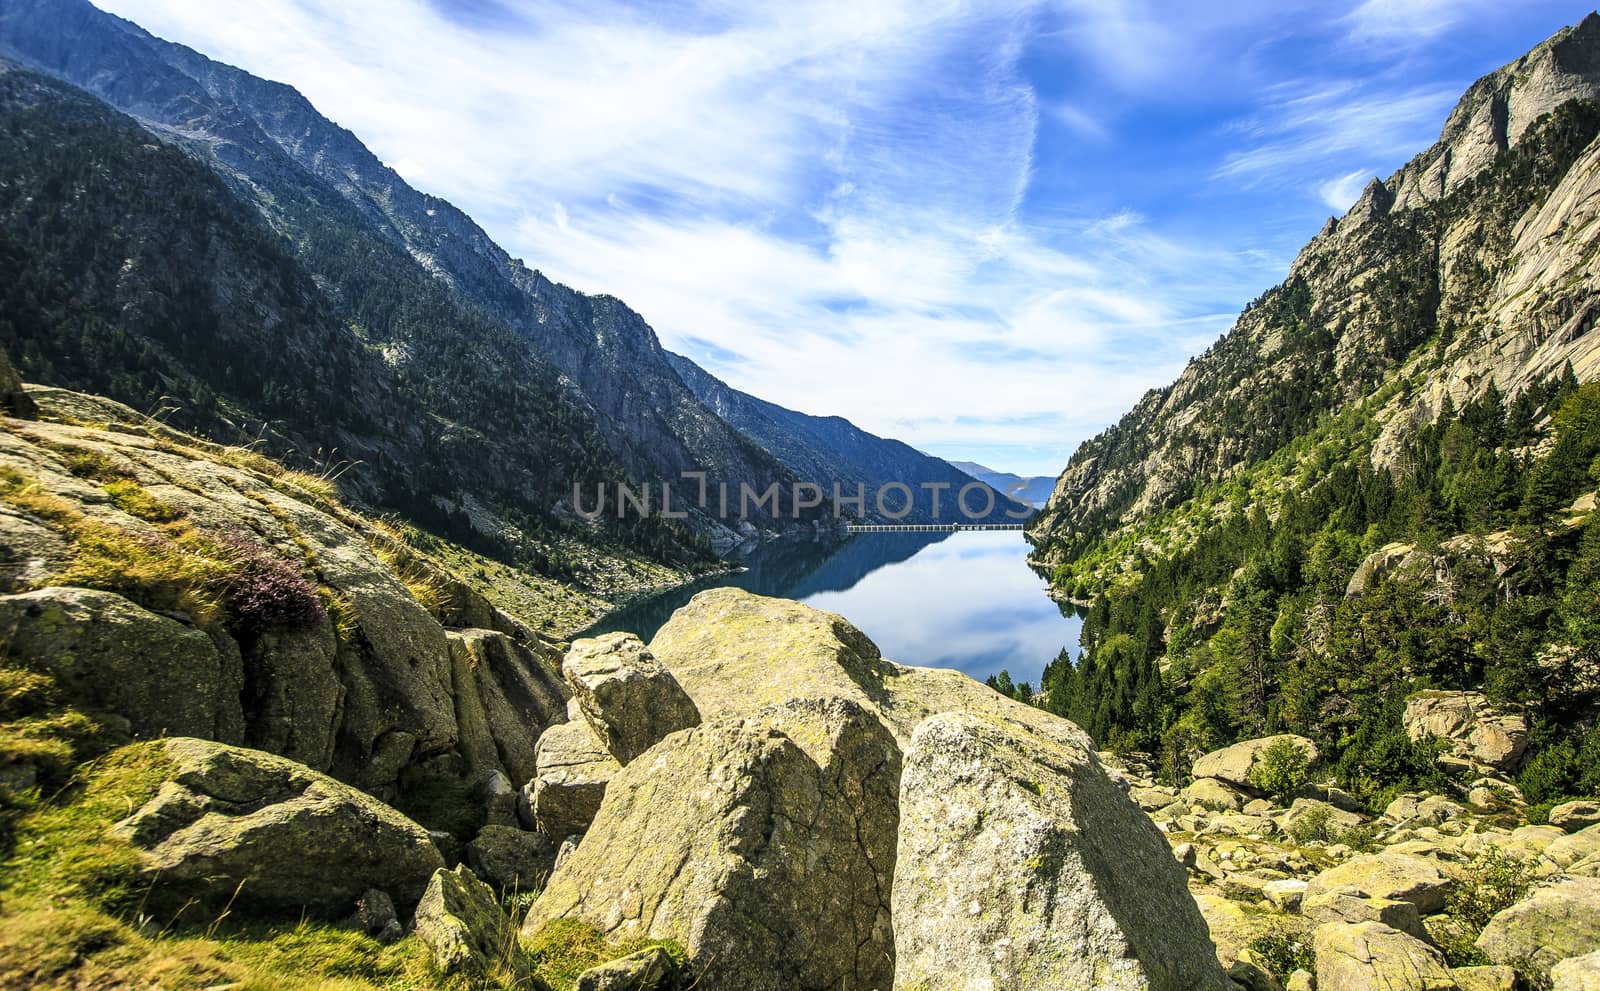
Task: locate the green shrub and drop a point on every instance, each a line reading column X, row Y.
column 1282, row 769
column 1493, row 883
column 1311, row 825
column 1283, row 951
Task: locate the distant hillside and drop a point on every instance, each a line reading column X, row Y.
column 1034, row 489
column 829, row 450
column 336, row 204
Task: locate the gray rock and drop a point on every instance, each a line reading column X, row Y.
column 1215, row 795
column 1573, row 816
column 107, row 654
column 1474, row 729
column 505, row 695
column 1577, row 973
column 1349, row 904
column 1395, row 876
column 375, row 916
column 1548, row 926
column 1370, row 956
column 1487, row 978
column 1020, row 851
column 765, row 847
column 573, row 770
column 650, row 969
column 628, row 697
column 511, row 859
column 283, row 835
column 460, row 922
column 1235, row 764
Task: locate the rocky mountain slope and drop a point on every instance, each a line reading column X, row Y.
column 316, row 185
column 250, row 735
column 1492, row 269
column 830, row 450
column 1034, row 490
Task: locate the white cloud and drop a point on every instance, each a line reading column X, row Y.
column 827, row 202
column 1341, row 194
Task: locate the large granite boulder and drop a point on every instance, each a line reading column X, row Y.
column 1348, row 904
column 511, row 860
column 1573, row 816
column 1021, row 864
column 1577, row 973
column 764, row 846
column 1369, row 956
column 1213, row 795
column 1548, row 926
column 573, row 771
column 462, row 926
column 1473, row 729
column 628, row 697
column 1395, row 876
column 1237, row 763
column 109, row 655
column 280, row 835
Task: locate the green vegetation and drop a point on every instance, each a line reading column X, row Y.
column 1492, row 883
column 1283, row 768
column 565, row 948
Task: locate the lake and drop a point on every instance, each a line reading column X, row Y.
column 964, row 599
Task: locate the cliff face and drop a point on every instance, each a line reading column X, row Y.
column 1470, row 265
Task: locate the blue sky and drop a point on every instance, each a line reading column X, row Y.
column 984, row 228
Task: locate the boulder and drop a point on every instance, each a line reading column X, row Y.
column 1577, row 973
column 1574, row 848
column 1573, row 816
column 505, row 696
column 108, row 655
column 1370, row 956
column 1214, row 795
column 462, row 926
column 1229, row 926
column 1423, row 810
column 735, row 653
column 1348, row 904
column 1473, row 729
column 1152, row 799
column 1020, row 852
column 1548, row 926
column 1234, row 764
column 764, row 846
column 375, row 916
column 283, row 836
column 1395, row 876
column 1301, row 980
column 1286, row 895
column 574, row 768
column 650, row 969
column 628, row 697
column 1486, row 978
column 1306, row 811
column 1251, row 973
column 510, row 859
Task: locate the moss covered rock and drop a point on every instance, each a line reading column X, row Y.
column 764, row 846
column 1021, row 864
column 1369, row 956
column 267, row 833
column 628, row 697
column 463, row 927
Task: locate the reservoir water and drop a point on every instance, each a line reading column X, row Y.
column 964, row 599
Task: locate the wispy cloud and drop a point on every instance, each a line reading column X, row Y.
column 866, row 208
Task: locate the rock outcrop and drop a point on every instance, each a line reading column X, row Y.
column 1472, row 727
column 1389, row 875
column 628, row 697
column 272, row 834
column 1020, row 866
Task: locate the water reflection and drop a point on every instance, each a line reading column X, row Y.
column 966, row 600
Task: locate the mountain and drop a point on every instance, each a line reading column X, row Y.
column 316, row 185
column 830, row 450
column 1034, row 490
column 1420, row 254
column 1380, row 484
